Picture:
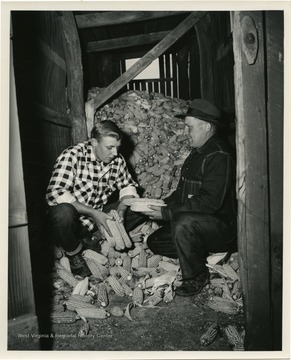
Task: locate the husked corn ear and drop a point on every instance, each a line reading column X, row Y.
column 85, row 286
column 234, row 337
column 114, row 271
column 95, row 269
column 142, row 258
column 230, row 272
column 116, row 311
column 154, row 261
column 105, row 246
column 102, row 296
column 210, row 334
column 135, row 251
column 127, row 289
column 66, row 263
column 168, row 266
column 127, row 263
column 223, row 305
column 115, row 285
column 72, row 304
column 137, row 295
column 142, row 271
column 118, row 261
column 67, row 276
column 119, row 243
column 217, row 282
column 135, row 262
column 95, row 313
column 91, row 254
column 234, row 264
column 120, row 226
column 64, row 317
column 126, row 275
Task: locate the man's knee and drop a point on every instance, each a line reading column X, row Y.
column 187, row 223
column 64, row 212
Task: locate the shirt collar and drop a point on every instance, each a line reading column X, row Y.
column 208, row 144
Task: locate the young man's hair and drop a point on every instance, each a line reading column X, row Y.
column 106, row 128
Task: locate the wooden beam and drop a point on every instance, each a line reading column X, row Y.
column 148, row 58
column 125, row 42
column 252, row 182
column 73, row 59
column 120, row 17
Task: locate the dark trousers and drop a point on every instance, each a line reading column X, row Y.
column 66, row 229
column 190, row 237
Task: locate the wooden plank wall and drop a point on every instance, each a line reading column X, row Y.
column 216, row 59
column 40, row 73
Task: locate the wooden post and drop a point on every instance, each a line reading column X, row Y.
column 252, row 180
column 20, row 288
column 275, row 62
column 73, row 59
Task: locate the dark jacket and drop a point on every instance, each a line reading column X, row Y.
column 207, row 183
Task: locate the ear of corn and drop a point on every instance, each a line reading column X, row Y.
column 133, row 253
column 72, row 304
column 105, row 248
column 93, row 313
column 233, row 336
column 127, row 263
column 95, row 269
column 126, row 275
column 210, row 334
column 119, row 261
column 64, row 317
column 67, row 276
column 223, row 305
column 102, row 296
column 154, row 261
column 116, row 311
column 91, row 254
column 127, row 289
column 66, row 263
column 230, row 272
column 84, row 286
column 168, row 266
column 115, row 285
column 86, row 298
column 142, row 258
column 137, row 295
column 122, row 231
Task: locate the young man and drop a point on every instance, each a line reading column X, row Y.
column 84, row 177
column 200, row 216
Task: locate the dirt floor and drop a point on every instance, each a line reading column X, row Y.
column 176, row 326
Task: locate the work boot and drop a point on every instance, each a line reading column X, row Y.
column 78, row 265
column 192, row 287
column 91, row 242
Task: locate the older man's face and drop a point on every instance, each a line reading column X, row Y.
column 197, row 131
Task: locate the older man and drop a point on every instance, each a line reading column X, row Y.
column 83, row 179
column 200, row 216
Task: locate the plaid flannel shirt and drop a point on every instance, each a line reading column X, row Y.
column 78, row 176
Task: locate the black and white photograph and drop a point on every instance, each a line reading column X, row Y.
column 146, row 180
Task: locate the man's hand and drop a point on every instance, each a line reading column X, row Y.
column 100, row 218
column 156, row 214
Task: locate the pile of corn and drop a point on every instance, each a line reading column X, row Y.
column 225, row 288
column 159, row 144
column 125, row 267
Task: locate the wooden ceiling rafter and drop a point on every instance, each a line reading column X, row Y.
column 125, row 42
column 110, row 18
column 148, row 58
